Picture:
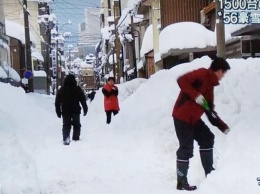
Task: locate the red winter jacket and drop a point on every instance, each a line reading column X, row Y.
column 201, row 81
column 110, row 98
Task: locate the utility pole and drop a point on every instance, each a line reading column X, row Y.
column 220, row 30
column 122, row 49
column 114, row 65
column 47, row 48
column 133, row 46
column 57, row 65
column 48, row 53
column 155, row 20
column 28, row 56
column 117, row 41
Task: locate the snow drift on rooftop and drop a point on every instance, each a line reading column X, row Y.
column 16, row 30
column 185, row 35
column 147, row 43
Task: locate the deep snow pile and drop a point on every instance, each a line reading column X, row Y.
column 136, row 152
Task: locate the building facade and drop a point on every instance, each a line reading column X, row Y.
column 14, row 12
column 173, row 11
column 4, row 41
column 89, row 31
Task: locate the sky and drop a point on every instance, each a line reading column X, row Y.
column 74, row 11
column 136, row 153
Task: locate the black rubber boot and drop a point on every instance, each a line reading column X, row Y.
column 206, row 156
column 182, row 171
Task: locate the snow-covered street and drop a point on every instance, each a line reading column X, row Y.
column 135, row 154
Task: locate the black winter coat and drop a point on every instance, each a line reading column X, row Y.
column 68, row 98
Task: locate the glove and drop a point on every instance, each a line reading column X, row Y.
column 58, row 114
column 217, row 122
column 223, row 127
column 202, row 102
column 85, row 113
column 226, row 131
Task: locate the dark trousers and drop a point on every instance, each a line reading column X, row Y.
column 109, row 113
column 68, row 121
column 186, row 135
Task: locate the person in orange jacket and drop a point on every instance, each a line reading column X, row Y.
column 111, row 104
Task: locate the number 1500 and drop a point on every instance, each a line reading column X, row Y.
column 233, row 4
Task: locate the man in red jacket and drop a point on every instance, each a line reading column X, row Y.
column 195, row 98
column 110, row 92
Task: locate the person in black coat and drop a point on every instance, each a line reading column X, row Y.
column 67, row 104
column 91, row 95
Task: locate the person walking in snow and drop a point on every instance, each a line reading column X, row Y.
column 110, row 92
column 67, row 104
column 91, row 95
column 195, row 98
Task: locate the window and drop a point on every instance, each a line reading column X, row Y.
column 82, row 26
column 1, row 30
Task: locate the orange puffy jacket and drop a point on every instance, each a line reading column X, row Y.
column 110, row 97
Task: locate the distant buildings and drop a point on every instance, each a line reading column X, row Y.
column 89, row 32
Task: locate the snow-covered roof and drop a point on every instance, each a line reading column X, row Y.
column 67, row 34
column 42, row 1
column 4, row 45
column 189, row 35
column 90, row 57
column 140, row 64
column 130, row 71
column 54, row 31
column 39, row 73
column 133, row 3
column 110, row 18
column 75, row 50
column 10, row 72
column 36, row 54
column 106, row 32
column 3, row 75
column 131, row 9
column 125, row 19
column 52, row 17
column 147, row 43
column 112, row 59
column 59, row 38
column 157, row 57
column 83, row 64
column 230, row 28
column 136, row 19
column 185, row 35
column 16, row 30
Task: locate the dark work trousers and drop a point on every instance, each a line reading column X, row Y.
column 186, row 135
column 68, row 121
column 109, row 113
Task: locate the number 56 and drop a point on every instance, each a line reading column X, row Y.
column 230, row 18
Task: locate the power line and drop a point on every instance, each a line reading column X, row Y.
column 80, row 4
column 73, row 5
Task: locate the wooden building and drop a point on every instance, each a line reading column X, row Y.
column 208, row 16
column 149, row 58
column 88, row 78
column 174, row 11
column 17, row 53
column 247, row 45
